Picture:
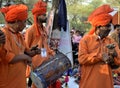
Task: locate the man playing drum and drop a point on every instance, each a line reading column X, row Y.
column 37, row 35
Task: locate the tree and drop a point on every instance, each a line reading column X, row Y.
column 77, row 10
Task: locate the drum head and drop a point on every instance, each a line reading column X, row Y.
column 37, row 80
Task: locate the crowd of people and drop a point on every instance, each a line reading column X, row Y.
column 95, row 55
column 75, row 38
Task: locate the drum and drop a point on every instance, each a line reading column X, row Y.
column 50, row 70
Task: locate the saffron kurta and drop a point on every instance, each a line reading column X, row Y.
column 95, row 73
column 12, row 75
column 31, row 40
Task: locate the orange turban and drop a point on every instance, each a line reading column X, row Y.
column 100, row 10
column 39, row 9
column 100, row 20
column 15, row 12
column 100, row 17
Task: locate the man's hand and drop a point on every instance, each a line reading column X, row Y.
column 111, row 50
column 33, row 51
column 105, row 57
column 34, row 47
column 28, row 60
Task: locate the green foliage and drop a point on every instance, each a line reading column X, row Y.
column 1, row 19
column 113, row 2
column 77, row 10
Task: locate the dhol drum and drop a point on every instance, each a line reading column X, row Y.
column 50, row 70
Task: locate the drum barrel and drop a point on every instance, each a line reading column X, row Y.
column 53, row 69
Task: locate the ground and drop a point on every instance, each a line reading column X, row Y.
column 73, row 84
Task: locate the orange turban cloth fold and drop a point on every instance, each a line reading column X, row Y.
column 100, row 17
column 39, row 9
column 15, row 12
column 100, row 20
column 100, row 10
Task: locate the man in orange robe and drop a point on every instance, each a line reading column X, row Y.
column 14, row 61
column 37, row 35
column 93, row 56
